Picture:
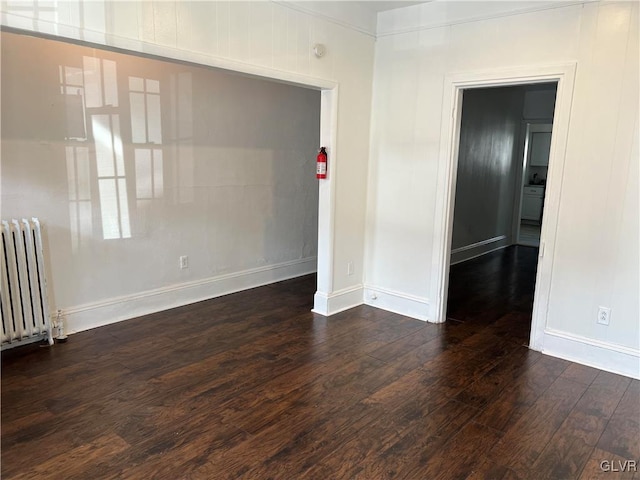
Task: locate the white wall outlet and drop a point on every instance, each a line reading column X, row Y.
column 604, row 314
column 349, row 268
column 184, row 262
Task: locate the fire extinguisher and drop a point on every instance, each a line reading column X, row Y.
column 321, row 165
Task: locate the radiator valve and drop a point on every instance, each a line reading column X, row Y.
column 60, row 336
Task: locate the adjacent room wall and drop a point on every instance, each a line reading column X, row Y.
column 263, row 38
column 211, row 165
column 487, row 169
column 596, row 253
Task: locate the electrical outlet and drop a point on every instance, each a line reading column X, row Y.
column 184, row 262
column 604, row 314
column 349, row 268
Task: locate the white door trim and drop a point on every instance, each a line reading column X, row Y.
column 454, row 84
column 327, row 201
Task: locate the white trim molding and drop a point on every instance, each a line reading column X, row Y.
column 478, row 244
column 397, row 302
column 327, row 195
column 454, row 85
column 85, row 317
column 428, row 15
column 328, row 304
column 352, row 15
column 593, row 353
column 462, row 254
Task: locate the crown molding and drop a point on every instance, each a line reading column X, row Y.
column 438, row 14
column 351, row 15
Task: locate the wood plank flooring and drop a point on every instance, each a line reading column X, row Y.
column 253, row 385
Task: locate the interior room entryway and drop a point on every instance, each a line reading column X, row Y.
column 535, row 165
column 498, row 192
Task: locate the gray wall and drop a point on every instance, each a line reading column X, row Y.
column 539, row 104
column 539, row 101
column 486, row 180
column 132, row 162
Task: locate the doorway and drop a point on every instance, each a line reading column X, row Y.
column 535, row 164
column 455, row 85
column 179, row 179
column 503, row 157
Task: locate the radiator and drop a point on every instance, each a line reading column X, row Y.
column 23, row 295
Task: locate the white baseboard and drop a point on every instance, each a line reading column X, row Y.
column 478, row 249
column 602, row 355
column 332, row 303
column 85, row 317
column 397, row 302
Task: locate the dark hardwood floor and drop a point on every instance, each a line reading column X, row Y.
column 253, row 385
column 495, row 285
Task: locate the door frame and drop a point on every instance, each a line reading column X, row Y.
column 454, row 85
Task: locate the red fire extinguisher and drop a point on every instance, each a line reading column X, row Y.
column 321, row 165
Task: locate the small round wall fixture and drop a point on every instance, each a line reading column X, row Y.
column 319, row 50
